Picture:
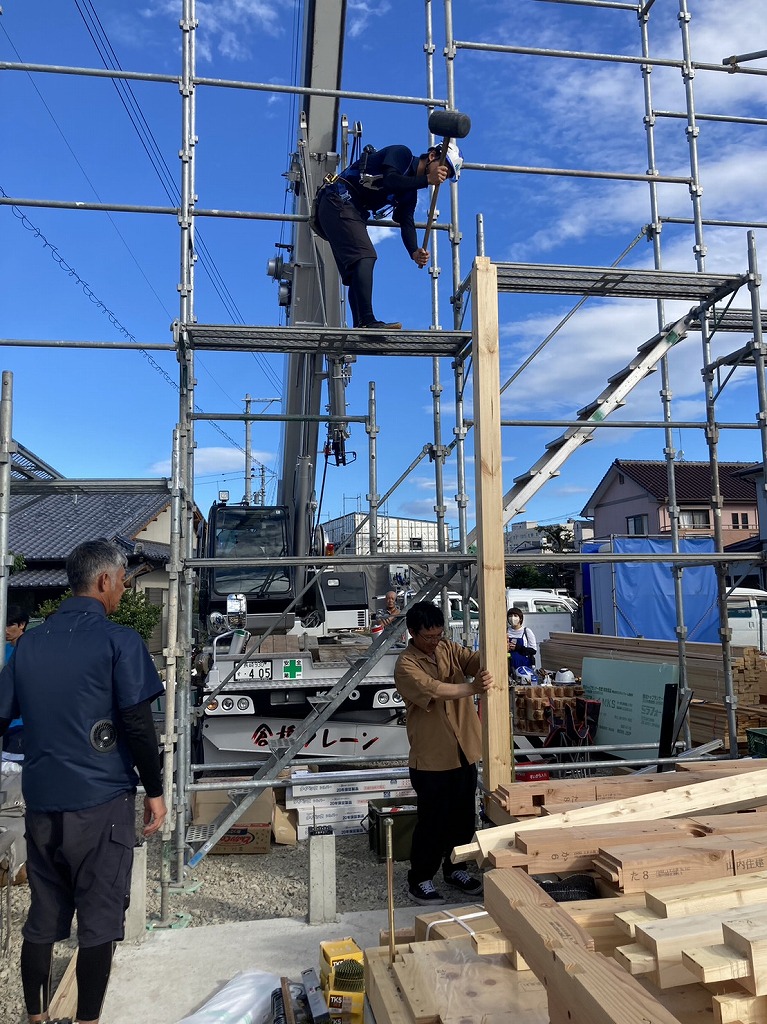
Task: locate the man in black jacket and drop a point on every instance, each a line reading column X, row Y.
column 84, row 687
column 379, row 180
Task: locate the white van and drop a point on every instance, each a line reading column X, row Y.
column 540, row 601
column 747, row 617
column 544, row 612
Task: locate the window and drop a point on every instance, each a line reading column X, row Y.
column 695, row 519
column 740, row 520
column 636, row 525
column 416, row 544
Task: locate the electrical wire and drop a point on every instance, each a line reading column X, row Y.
column 112, row 221
column 167, row 181
column 70, row 271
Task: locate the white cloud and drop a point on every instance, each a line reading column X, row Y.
column 209, row 461
column 228, row 28
column 362, row 12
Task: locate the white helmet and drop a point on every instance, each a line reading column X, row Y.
column 453, row 159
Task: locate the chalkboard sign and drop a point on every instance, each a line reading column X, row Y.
column 632, row 694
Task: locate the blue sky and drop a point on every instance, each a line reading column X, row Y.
column 95, row 413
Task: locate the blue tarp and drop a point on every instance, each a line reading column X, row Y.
column 637, row 598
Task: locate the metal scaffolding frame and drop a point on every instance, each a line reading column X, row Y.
column 701, row 288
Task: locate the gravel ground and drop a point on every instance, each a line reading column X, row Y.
column 229, row 888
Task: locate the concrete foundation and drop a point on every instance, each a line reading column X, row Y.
column 171, row 974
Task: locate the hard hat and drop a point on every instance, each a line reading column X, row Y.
column 453, row 159
column 564, row 675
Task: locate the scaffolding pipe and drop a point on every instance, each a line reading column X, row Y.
column 373, row 497
column 170, row 732
column 665, row 391
column 7, row 447
column 754, row 283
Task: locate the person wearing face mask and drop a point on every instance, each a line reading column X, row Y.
column 520, row 641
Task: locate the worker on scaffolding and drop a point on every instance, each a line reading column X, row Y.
column 438, row 680
column 380, row 181
column 84, row 686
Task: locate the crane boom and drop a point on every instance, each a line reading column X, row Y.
column 315, row 292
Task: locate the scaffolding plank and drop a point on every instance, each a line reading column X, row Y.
column 331, row 341
column 612, row 281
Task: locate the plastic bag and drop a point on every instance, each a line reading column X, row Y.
column 246, row 999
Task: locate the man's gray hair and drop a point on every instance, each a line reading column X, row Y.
column 89, row 560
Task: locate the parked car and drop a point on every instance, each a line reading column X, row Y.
column 747, row 617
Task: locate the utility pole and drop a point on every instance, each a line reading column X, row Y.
column 248, row 456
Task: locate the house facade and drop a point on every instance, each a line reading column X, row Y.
column 50, row 515
column 632, row 500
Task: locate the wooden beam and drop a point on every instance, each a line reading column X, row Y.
column 719, row 894
column 64, row 1001
column 583, row 987
column 736, row 792
column 496, row 719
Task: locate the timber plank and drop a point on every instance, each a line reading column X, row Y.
column 733, row 793
column 467, row 988
column 665, row 940
column 629, row 920
column 635, row 959
column 488, row 471
column 417, row 993
column 732, row 1007
column 748, row 936
column 679, row 901
column 381, row 991
column 716, row 963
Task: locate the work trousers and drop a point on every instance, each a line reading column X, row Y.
column 446, row 818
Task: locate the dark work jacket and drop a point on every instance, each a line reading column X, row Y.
column 74, row 671
column 396, row 184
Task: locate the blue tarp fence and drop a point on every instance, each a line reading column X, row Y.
column 635, row 599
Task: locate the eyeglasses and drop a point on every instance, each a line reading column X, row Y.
column 431, row 638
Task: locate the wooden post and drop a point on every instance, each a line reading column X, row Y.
column 496, row 731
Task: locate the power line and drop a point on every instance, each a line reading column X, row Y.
column 70, row 271
column 154, row 154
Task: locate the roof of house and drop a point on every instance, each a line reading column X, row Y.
column 693, row 481
column 48, row 526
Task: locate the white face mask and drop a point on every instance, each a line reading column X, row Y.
column 515, row 622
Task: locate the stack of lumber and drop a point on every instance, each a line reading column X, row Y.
column 664, row 954
column 705, row 676
column 680, row 955
column 672, row 948
column 721, row 791
column 532, row 702
column 528, row 799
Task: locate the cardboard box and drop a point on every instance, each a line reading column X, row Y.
column 332, row 953
column 252, row 833
column 348, row 799
column 319, row 814
column 345, row 1007
column 340, row 828
column 340, row 788
column 454, row 924
column 284, row 823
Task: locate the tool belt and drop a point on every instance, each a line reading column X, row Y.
column 331, row 184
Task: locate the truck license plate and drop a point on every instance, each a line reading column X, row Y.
column 254, row 670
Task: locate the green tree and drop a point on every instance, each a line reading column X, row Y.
column 525, row 577
column 560, row 538
column 134, row 610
